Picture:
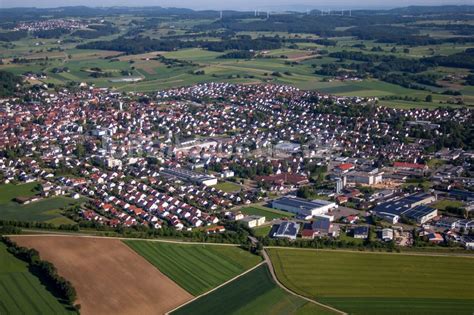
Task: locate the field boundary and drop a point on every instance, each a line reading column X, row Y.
column 269, row 263
column 431, row 254
column 122, row 239
column 218, row 287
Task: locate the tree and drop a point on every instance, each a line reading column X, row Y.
column 429, row 98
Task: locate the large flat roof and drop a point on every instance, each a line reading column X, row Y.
column 288, row 228
column 302, row 203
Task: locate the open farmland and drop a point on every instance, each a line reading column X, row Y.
column 196, row 268
column 253, row 293
column 109, row 277
column 23, row 293
column 379, row 283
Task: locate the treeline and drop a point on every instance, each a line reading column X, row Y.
column 140, row 45
column 459, row 60
column 44, row 270
column 241, row 54
column 235, row 233
column 8, row 83
column 53, row 33
column 12, row 36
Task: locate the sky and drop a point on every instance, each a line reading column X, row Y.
column 235, row 4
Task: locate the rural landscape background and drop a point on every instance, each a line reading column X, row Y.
column 273, row 158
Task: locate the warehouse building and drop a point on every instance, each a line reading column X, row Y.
column 303, row 207
column 412, row 207
column 252, row 221
column 287, row 229
column 190, row 176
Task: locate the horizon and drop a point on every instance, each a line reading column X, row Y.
column 235, row 5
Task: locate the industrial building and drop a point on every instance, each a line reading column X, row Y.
column 190, row 176
column 303, row 207
column 287, row 229
column 412, row 207
column 253, row 220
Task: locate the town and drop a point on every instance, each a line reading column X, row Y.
column 288, row 163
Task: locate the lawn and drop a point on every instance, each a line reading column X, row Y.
column 23, row 293
column 227, row 186
column 196, row 268
column 253, row 293
column 379, row 283
column 262, row 230
column 46, row 210
column 443, row 204
column 268, row 213
column 8, row 192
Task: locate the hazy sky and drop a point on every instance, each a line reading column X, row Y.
column 233, row 4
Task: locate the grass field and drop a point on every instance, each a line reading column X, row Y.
column 253, row 293
column 227, row 187
column 262, row 230
column 268, row 213
column 443, row 204
column 23, row 293
column 196, row 268
column 371, row 283
column 46, row 210
column 8, row 192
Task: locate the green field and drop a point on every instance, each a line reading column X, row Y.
column 228, row 187
column 8, row 192
column 379, row 283
column 268, row 213
column 45, row 210
column 23, row 293
column 253, row 293
column 443, row 204
column 262, row 230
column 196, row 268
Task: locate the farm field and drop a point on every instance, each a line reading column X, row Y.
column 253, row 293
column 380, row 283
column 268, row 213
column 109, row 277
column 22, row 292
column 196, row 268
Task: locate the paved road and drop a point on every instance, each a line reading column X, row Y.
column 272, row 272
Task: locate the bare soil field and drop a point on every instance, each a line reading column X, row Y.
column 110, row 278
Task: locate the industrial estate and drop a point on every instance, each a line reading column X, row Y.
column 170, row 161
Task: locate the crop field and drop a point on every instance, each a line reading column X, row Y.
column 109, row 277
column 196, row 268
column 23, row 293
column 46, row 210
column 253, row 293
column 379, row 283
column 268, row 213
